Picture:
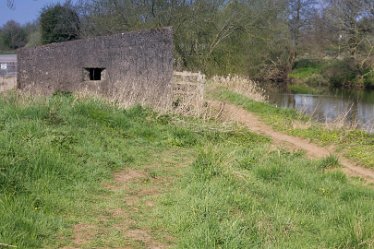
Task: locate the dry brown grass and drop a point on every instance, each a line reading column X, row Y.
column 342, row 121
column 241, row 85
column 7, row 83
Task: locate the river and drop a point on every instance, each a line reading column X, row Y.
column 354, row 108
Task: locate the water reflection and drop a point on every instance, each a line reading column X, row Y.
column 356, row 110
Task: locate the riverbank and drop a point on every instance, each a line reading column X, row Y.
column 355, row 144
column 320, row 76
column 81, row 173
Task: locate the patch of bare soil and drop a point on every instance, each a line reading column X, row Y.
column 128, row 175
column 133, row 198
column 82, row 235
column 251, row 121
column 145, row 238
column 122, row 178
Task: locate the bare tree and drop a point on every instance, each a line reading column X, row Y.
column 351, row 19
column 300, row 15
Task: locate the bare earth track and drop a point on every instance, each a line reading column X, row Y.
column 234, row 113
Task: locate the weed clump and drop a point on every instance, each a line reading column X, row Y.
column 329, row 162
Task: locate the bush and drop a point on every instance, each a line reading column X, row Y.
column 369, row 79
column 59, row 23
column 316, row 80
column 341, row 73
column 13, row 36
column 303, row 63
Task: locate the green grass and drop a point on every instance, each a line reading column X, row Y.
column 304, row 72
column 7, row 52
column 307, row 77
column 212, row 186
column 306, row 68
column 355, row 144
column 248, row 197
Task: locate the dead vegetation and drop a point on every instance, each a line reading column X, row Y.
column 241, row 85
column 7, row 83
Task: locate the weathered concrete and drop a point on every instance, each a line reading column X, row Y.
column 133, row 67
column 188, row 91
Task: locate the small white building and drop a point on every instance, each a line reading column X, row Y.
column 8, row 65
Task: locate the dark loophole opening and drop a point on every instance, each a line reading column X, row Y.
column 94, row 73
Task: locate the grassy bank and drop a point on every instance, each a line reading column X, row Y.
column 187, row 183
column 317, row 76
column 355, row 144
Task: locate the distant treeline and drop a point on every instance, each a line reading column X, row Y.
column 263, row 39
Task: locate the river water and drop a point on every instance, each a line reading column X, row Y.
column 354, row 108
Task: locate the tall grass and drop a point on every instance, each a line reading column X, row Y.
column 53, row 151
column 7, row 83
column 247, row 197
column 238, row 192
column 239, row 85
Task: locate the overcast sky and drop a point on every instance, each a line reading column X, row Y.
column 23, row 11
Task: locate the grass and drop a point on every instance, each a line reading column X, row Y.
column 7, row 52
column 304, row 72
column 203, row 184
column 307, row 77
column 355, row 144
column 305, row 68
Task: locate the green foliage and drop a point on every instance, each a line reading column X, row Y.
column 333, row 73
column 306, row 77
column 308, row 63
column 305, row 69
column 216, row 37
column 303, row 72
column 341, row 73
column 34, row 39
column 59, row 23
column 13, row 36
column 317, row 80
column 369, row 79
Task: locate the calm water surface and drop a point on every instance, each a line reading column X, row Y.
column 356, row 107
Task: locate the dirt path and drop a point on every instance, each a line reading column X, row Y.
column 238, row 114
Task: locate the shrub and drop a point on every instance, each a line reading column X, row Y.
column 369, row 79
column 316, row 80
column 59, row 23
column 341, row 73
column 13, row 35
column 303, row 63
